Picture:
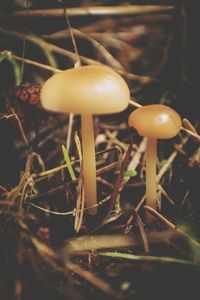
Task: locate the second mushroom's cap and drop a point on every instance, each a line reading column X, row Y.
column 155, row 121
column 86, row 89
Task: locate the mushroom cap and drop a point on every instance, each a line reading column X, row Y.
column 155, row 121
column 92, row 89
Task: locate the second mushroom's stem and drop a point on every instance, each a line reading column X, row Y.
column 151, row 185
column 89, row 162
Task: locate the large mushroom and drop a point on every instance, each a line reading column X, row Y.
column 86, row 90
column 154, row 121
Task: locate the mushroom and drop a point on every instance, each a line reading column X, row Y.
column 154, row 121
column 86, row 90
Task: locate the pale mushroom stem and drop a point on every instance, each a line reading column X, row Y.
column 89, row 162
column 151, row 185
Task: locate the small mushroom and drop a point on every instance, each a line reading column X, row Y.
column 154, row 121
column 86, row 90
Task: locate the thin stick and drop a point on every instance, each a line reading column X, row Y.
column 24, row 44
column 136, row 158
column 140, row 203
column 110, row 60
column 142, row 231
column 36, row 64
column 77, row 64
column 188, row 125
column 72, row 55
column 96, row 11
column 69, row 131
column 21, row 129
column 78, row 60
column 119, row 181
column 66, row 213
column 114, row 140
column 167, row 164
column 80, row 201
column 195, row 135
column 90, row 277
column 170, row 225
column 133, row 103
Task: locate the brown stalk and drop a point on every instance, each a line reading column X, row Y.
column 21, row 129
column 57, row 169
column 36, row 64
column 136, row 158
column 187, row 124
column 192, row 133
column 164, row 59
column 142, row 231
column 114, row 140
column 80, row 201
column 16, row 191
column 119, row 180
column 95, row 11
column 170, row 225
column 99, row 28
column 170, row 160
column 110, row 60
column 90, row 277
column 72, row 55
column 67, row 213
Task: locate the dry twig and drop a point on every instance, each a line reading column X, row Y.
column 95, row 11
column 90, row 277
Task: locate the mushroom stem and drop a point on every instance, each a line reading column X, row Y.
column 151, row 185
column 89, row 163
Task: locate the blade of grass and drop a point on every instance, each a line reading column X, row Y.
column 161, row 259
column 68, row 162
column 130, row 173
column 47, row 52
column 7, row 55
column 79, row 212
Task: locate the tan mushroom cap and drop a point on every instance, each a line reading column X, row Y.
column 155, row 121
column 87, row 89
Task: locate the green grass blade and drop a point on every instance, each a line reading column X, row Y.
column 7, row 55
column 47, row 52
column 3, row 56
column 161, row 259
column 130, row 173
column 68, row 162
column 16, row 70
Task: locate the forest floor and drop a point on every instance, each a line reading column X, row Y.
column 51, row 246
